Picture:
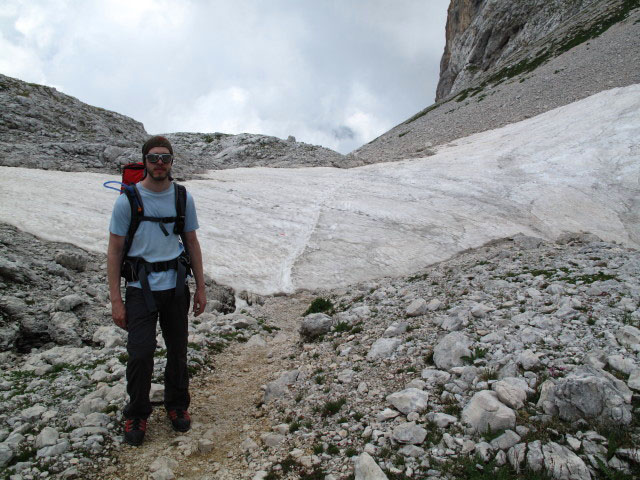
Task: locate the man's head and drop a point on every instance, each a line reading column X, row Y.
column 152, row 149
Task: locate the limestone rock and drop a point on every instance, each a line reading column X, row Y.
column 417, row 307
column 279, row 388
column 590, row 394
column 367, row 469
column 272, row 439
column 395, row 329
column 68, row 303
column 535, row 457
column 517, row 455
column 383, row 348
column 485, row 411
column 409, row 433
column 449, row 351
column 628, row 335
column 110, row 336
column 72, row 261
column 409, row 400
column 562, row 464
column 315, row 325
column 634, row 380
column 505, row 441
column 510, row 394
column 47, row 437
column 63, row 329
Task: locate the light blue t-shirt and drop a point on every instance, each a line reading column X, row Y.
column 150, row 242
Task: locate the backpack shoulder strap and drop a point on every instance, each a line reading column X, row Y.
column 137, row 212
column 181, row 208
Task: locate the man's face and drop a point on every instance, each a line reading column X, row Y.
column 158, row 171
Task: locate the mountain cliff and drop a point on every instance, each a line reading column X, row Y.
column 485, row 35
column 508, row 61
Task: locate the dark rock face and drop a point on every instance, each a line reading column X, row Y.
column 486, row 35
column 43, row 128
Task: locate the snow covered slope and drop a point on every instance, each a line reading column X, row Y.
column 575, row 168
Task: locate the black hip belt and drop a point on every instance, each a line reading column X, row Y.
column 136, row 269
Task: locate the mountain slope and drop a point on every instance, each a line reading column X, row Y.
column 608, row 60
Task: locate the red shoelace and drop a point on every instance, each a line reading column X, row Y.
column 175, row 414
column 135, row 424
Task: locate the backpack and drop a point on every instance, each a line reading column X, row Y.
column 136, row 268
column 132, row 173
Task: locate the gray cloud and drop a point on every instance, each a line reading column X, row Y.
column 315, row 70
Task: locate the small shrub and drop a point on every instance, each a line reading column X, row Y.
column 288, row 464
column 333, row 407
column 319, row 305
column 332, row 449
column 351, row 452
column 341, row 327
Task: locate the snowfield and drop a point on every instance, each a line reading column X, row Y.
column 575, row 168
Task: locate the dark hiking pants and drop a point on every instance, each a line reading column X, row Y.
column 141, row 345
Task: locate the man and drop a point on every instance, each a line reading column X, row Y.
column 155, row 292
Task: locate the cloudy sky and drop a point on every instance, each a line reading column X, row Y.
column 332, row 72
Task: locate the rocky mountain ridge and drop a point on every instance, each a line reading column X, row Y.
column 43, row 128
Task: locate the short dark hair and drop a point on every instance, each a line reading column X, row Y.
column 156, row 141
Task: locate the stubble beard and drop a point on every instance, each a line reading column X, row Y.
column 158, row 176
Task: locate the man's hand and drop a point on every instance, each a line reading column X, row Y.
column 199, row 300
column 119, row 314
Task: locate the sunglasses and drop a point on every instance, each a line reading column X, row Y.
column 156, row 157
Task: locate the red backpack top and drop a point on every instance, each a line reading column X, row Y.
column 132, row 173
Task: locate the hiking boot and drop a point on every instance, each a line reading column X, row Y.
column 134, row 430
column 180, row 419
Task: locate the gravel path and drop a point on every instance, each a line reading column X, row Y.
column 225, row 406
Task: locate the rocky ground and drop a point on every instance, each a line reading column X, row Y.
column 520, row 356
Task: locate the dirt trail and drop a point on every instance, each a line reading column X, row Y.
column 223, row 405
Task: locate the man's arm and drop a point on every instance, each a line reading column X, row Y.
column 114, row 262
column 200, row 296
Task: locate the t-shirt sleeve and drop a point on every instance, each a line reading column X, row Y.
column 120, row 217
column 191, row 220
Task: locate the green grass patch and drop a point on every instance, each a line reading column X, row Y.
column 319, row 305
column 478, row 352
column 294, row 427
column 588, row 279
column 422, row 113
column 333, row 407
column 332, row 449
column 467, row 468
column 342, row 327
